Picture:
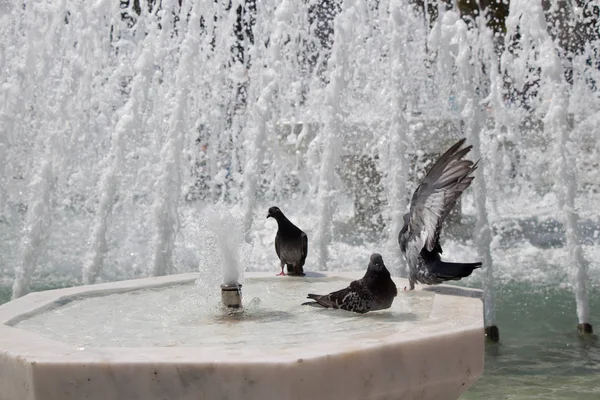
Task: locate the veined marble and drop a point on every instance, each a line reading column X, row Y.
column 437, row 359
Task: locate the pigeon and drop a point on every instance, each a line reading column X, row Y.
column 291, row 244
column 374, row 291
column 431, row 203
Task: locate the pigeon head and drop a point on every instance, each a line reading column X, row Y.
column 376, row 263
column 274, row 212
column 376, row 271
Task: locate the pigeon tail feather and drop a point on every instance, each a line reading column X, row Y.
column 321, row 300
column 313, row 304
column 452, row 271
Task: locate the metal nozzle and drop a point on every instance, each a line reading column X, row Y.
column 231, row 295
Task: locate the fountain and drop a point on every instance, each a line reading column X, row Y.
column 156, row 337
column 132, row 131
column 163, row 336
column 223, row 247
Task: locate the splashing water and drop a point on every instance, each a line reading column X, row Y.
column 222, row 245
column 117, row 124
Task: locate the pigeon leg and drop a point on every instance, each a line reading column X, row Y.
column 281, row 273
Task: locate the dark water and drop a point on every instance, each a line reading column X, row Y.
column 540, row 355
column 5, row 292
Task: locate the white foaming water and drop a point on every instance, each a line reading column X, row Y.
column 185, row 315
column 221, row 245
column 144, row 117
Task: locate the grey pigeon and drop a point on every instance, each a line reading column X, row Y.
column 291, row 244
column 374, row 291
column 431, row 203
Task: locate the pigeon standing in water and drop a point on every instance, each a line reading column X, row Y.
column 291, row 244
column 431, row 203
column 374, row 291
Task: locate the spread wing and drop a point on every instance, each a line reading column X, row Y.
column 436, row 196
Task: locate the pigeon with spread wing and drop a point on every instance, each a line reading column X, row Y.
column 431, row 203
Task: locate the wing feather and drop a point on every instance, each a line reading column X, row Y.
column 277, row 245
column 437, row 194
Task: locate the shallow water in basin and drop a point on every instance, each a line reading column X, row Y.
column 186, row 315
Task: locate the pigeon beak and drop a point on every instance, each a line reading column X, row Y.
column 269, row 215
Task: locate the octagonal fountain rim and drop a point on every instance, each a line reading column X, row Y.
column 454, row 309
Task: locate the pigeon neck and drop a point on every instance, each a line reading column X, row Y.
column 282, row 220
column 371, row 277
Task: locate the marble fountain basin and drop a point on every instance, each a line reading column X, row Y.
column 165, row 338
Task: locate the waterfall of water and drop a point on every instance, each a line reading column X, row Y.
column 495, row 189
column 38, row 225
column 566, row 186
column 529, row 20
column 129, row 120
column 169, row 185
column 474, row 120
column 331, row 133
column 397, row 148
column 267, row 85
column 46, row 142
column 461, row 49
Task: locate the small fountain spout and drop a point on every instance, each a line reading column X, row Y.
column 585, row 329
column 231, row 295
